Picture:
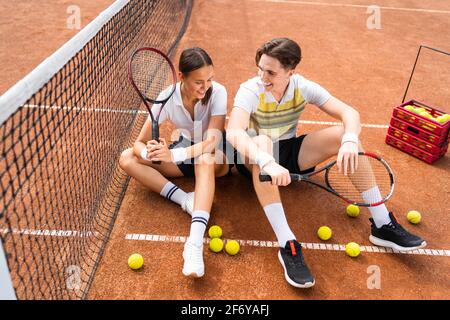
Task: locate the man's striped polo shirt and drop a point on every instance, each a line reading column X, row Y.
column 278, row 120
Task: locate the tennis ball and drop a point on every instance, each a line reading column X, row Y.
column 215, row 232
column 352, row 210
column 216, row 245
column 352, row 249
column 324, row 233
column 410, row 108
column 442, row 119
column 135, row 261
column 426, row 114
column 232, row 247
column 414, row 216
column 419, row 110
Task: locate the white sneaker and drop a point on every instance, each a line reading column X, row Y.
column 188, row 203
column 193, row 260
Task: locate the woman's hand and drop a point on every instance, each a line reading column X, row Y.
column 159, row 151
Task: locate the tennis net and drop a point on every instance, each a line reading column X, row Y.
column 62, row 130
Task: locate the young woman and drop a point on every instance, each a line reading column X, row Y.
column 197, row 108
column 270, row 105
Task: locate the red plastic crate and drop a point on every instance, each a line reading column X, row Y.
column 417, row 132
column 414, row 151
column 422, row 144
column 436, row 128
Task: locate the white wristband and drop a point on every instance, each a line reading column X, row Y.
column 349, row 137
column 263, row 158
column 178, row 154
column 144, row 154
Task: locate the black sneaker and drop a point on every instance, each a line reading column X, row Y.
column 393, row 235
column 296, row 271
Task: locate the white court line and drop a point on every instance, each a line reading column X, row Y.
column 50, row 233
column 327, row 4
column 365, row 125
column 328, row 123
column 274, row 244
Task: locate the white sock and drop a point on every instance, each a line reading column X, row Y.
column 277, row 219
column 380, row 214
column 173, row 193
column 198, row 226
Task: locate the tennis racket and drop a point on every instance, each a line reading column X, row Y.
column 153, row 76
column 370, row 185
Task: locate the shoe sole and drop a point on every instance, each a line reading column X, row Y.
column 292, row 283
column 392, row 245
column 193, row 274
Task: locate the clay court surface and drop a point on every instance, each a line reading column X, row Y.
column 368, row 69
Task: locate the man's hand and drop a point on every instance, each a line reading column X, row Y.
column 348, row 157
column 280, row 175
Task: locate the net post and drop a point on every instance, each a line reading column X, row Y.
column 412, row 73
column 415, row 63
column 6, row 289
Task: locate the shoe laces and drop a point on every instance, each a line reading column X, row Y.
column 397, row 228
column 296, row 254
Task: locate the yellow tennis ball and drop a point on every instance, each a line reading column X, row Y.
column 352, row 249
column 442, row 119
column 410, row 108
column 232, row 247
column 426, row 114
column 324, row 233
column 419, row 110
column 215, row 232
column 414, row 216
column 135, row 261
column 216, row 245
column 352, row 210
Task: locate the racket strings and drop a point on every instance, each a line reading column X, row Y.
column 152, row 74
column 370, row 183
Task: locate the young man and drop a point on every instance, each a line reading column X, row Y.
column 262, row 128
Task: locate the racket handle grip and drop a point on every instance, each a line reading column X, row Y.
column 155, row 131
column 265, row 177
column 155, row 136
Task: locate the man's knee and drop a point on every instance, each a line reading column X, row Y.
column 339, row 132
column 336, row 137
column 264, row 143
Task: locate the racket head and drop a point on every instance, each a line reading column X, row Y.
column 370, row 185
column 152, row 74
